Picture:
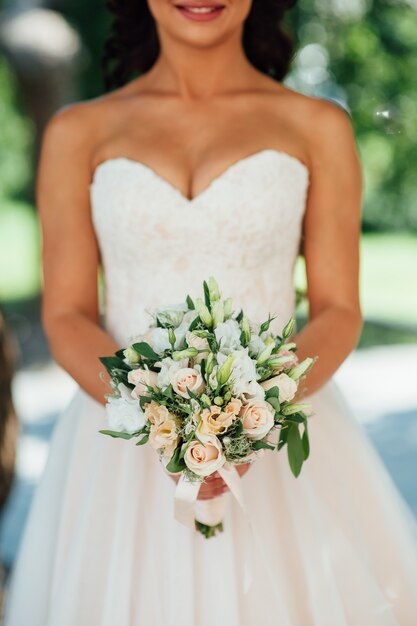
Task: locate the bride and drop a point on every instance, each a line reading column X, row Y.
column 205, row 164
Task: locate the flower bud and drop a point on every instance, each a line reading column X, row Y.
column 171, row 336
column 131, row 355
column 225, row 370
column 265, row 354
column 218, row 400
column 213, row 289
column 228, row 308
column 205, row 399
column 294, row 408
column 189, row 353
column 289, row 328
column 299, row 370
column 204, row 313
column 245, row 329
column 280, row 360
column 210, row 363
column 217, row 310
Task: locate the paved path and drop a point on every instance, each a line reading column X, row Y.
column 379, row 384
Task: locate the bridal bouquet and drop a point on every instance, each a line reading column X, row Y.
column 206, row 387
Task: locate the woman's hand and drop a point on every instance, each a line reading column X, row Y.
column 214, row 484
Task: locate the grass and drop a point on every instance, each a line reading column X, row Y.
column 387, row 281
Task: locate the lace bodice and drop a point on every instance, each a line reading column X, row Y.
column 157, row 245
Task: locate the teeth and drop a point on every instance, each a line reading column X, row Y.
column 200, row 9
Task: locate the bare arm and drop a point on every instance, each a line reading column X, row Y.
column 70, row 254
column 331, row 247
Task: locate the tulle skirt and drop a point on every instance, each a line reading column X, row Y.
column 335, row 547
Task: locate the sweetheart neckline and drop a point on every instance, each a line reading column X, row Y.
column 212, row 183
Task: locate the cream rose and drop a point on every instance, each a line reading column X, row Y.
column 257, row 419
column 286, row 385
column 205, row 458
column 164, row 435
column 187, row 377
column 199, row 343
column 141, row 378
column 214, row 421
column 157, row 413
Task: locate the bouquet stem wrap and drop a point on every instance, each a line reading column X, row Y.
column 211, row 512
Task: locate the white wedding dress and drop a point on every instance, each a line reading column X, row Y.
column 335, row 547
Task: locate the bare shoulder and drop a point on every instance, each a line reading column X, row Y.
column 326, row 132
column 81, row 125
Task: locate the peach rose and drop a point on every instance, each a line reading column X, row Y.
column 286, row 385
column 257, row 418
column 164, row 435
column 205, row 458
column 157, row 413
column 187, row 377
column 233, row 406
column 141, row 378
column 214, row 421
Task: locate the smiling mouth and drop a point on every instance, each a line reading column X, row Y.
column 200, row 10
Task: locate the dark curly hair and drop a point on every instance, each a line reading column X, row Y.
column 133, row 46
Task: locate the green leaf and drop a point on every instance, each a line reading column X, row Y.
column 145, row 350
column 168, row 392
column 274, row 402
column 194, row 323
column 239, row 317
column 190, row 303
column 282, row 437
column 207, row 295
column 144, row 440
column 113, row 362
column 296, row 418
column 272, row 393
column 295, row 449
column 117, row 434
column 259, row 445
column 176, row 464
column 120, row 354
column 144, row 400
column 306, row 442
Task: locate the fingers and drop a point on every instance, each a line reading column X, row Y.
column 212, row 488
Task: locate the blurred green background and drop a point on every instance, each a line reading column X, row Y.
column 360, row 53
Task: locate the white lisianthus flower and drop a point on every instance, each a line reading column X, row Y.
column 257, row 419
column 256, row 345
column 228, row 336
column 286, row 385
column 168, row 368
column 205, row 458
column 243, row 375
column 124, row 413
column 187, row 378
column 181, row 331
column 172, row 315
column 158, row 339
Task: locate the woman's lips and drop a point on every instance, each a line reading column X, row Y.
column 200, row 12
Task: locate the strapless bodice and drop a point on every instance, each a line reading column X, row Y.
column 157, row 245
